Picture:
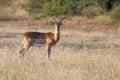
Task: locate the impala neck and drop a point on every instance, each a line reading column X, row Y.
column 57, row 33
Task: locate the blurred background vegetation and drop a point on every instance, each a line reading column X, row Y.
column 35, row 9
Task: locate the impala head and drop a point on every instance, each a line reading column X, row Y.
column 57, row 23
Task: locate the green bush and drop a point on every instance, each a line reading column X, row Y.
column 89, row 13
column 4, row 3
column 35, row 6
column 59, row 7
column 115, row 13
column 92, row 12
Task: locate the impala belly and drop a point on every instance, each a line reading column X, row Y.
column 38, row 42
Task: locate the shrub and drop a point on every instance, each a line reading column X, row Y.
column 115, row 13
column 35, row 6
column 91, row 12
column 4, row 3
column 59, row 7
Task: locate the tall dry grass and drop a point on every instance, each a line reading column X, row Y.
column 79, row 55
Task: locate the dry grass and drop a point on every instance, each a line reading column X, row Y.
column 79, row 55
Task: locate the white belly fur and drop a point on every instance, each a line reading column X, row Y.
column 38, row 45
column 39, row 42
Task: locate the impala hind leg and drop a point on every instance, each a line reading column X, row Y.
column 24, row 50
column 21, row 52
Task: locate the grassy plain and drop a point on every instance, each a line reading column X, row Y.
column 79, row 55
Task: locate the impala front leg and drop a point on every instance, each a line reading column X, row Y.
column 48, row 49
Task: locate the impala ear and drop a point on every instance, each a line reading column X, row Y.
column 52, row 23
column 61, row 23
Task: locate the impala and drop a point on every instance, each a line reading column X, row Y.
column 42, row 39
